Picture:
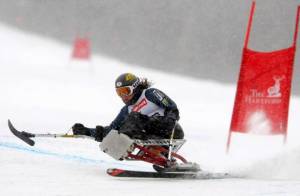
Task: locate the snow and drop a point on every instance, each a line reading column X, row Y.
column 43, row 91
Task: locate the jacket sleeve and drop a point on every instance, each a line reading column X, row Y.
column 119, row 120
column 162, row 100
column 115, row 124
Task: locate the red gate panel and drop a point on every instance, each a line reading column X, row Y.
column 263, row 90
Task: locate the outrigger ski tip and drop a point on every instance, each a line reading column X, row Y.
column 21, row 135
column 26, row 136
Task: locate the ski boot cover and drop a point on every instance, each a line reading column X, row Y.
column 116, row 145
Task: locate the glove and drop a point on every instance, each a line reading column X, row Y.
column 79, row 129
column 137, row 117
column 161, row 126
column 99, row 133
column 135, row 121
column 169, row 120
column 161, row 123
column 134, row 125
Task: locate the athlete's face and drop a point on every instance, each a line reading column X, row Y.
column 126, row 93
column 126, row 99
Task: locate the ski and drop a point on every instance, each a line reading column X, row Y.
column 147, row 174
column 179, row 175
column 24, row 136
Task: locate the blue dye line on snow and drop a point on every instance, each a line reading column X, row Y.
column 58, row 155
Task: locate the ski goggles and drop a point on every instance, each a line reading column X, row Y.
column 125, row 91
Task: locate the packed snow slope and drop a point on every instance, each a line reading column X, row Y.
column 43, row 91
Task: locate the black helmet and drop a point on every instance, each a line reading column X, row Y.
column 126, row 84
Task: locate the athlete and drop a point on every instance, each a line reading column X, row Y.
column 148, row 113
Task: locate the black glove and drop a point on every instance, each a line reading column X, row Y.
column 99, row 133
column 161, row 123
column 161, row 126
column 134, row 125
column 137, row 117
column 169, row 120
column 135, row 121
column 79, row 129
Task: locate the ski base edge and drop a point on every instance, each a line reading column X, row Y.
column 115, row 172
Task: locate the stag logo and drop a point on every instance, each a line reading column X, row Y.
column 274, row 91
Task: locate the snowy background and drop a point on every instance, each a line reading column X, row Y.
column 199, row 38
column 43, row 91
